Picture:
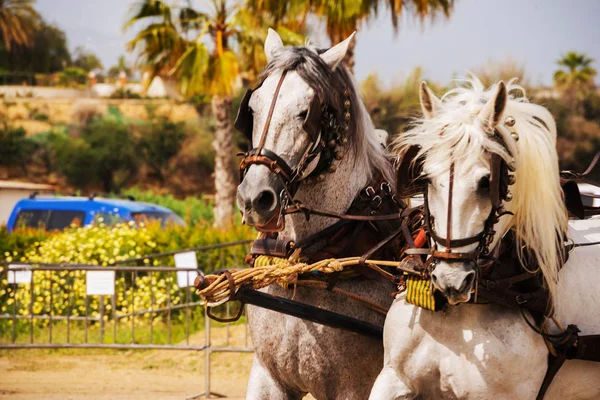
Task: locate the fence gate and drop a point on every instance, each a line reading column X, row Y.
column 118, row 307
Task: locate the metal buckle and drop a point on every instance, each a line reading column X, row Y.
column 520, row 300
column 369, row 191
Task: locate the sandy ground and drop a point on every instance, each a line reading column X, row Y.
column 119, row 374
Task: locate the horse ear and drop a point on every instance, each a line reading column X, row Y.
column 430, row 104
column 336, row 54
column 491, row 113
column 273, row 44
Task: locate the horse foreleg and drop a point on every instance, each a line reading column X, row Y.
column 389, row 386
column 262, row 385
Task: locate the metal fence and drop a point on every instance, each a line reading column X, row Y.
column 117, row 307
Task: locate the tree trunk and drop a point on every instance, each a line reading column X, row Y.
column 225, row 182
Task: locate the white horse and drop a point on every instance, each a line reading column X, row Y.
column 487, row 351
column 293, row 356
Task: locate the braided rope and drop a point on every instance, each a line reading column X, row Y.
column 284, row 273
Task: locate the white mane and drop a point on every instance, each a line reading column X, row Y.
column 454, row 133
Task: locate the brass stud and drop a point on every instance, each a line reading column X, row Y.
column 332, row 143
column 346, row 93
column 347, row 116
column 515, row 136
column 511, row 179
column 509, row 121
column 320, row 178
column 347, row 104
column 332, row 168
column 508, row 196
column 344, row 140
column 338, row 155
column 511, row 166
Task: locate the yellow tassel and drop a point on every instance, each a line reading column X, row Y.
column 419, row 293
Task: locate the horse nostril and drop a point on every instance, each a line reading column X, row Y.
column 434, row 279
column 264, row 201
column 468, row 281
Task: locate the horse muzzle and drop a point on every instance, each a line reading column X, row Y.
column 259, row 200
column 455, row 280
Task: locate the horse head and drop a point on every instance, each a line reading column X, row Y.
column 490, row 165
column 306, row 125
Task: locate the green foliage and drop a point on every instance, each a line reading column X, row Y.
column 86, row 60
column 15, row 148
column 121, row 93
column 161, row 144
column 576, row 71
column 191, row 209
column 48, row 52
column 15, row 245
column 73, row 77
column 105, row 154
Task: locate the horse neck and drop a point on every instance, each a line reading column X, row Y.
column 334, row 194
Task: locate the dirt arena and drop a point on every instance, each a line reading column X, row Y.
column 123, row 374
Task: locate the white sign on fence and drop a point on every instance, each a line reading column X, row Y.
column 100, row 283
column 19, row 277
column 186, row 260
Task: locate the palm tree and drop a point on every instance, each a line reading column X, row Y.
column 342, row 17
column 579, row 72
column 18, row 22
column 205, row 52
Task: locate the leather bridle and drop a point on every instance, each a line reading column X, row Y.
column 500, row 179
column 289, row 176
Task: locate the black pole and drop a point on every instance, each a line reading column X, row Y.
column 310, row 313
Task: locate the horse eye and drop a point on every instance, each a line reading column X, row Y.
column 303, row 114
column 484, row 183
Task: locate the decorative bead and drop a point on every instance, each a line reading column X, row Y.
column 346, row 93
column 344, row 140
column 347, row 116
column 332, row 168
column 338, row 155
column 332, row 143
column 320, row 178
column 347, row 104
column 511, row 166
column 508, row 196
column 511, row 179
column 509, row 121
column 515, row 136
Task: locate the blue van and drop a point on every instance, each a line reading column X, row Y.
column 58, row 213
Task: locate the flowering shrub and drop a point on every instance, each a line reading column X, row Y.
column 64, row 292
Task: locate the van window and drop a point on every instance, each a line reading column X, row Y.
column 32, row 219
column 63, row 219
column 49, row 219
column 165, row 218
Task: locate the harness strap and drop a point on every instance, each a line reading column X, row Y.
column 263, row 137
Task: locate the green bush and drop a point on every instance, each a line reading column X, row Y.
column 73, row 77
column 191, row 209
column 16, row 244
column 105, row 154
column 161, row 144
column 15, row 148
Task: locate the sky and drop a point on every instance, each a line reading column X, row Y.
column 534, row 33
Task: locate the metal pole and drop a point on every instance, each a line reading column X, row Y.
column 101, row 318
column 207, row 353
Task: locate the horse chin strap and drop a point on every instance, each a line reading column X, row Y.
column 325, row 140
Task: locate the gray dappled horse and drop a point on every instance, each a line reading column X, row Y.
column 293, row 356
